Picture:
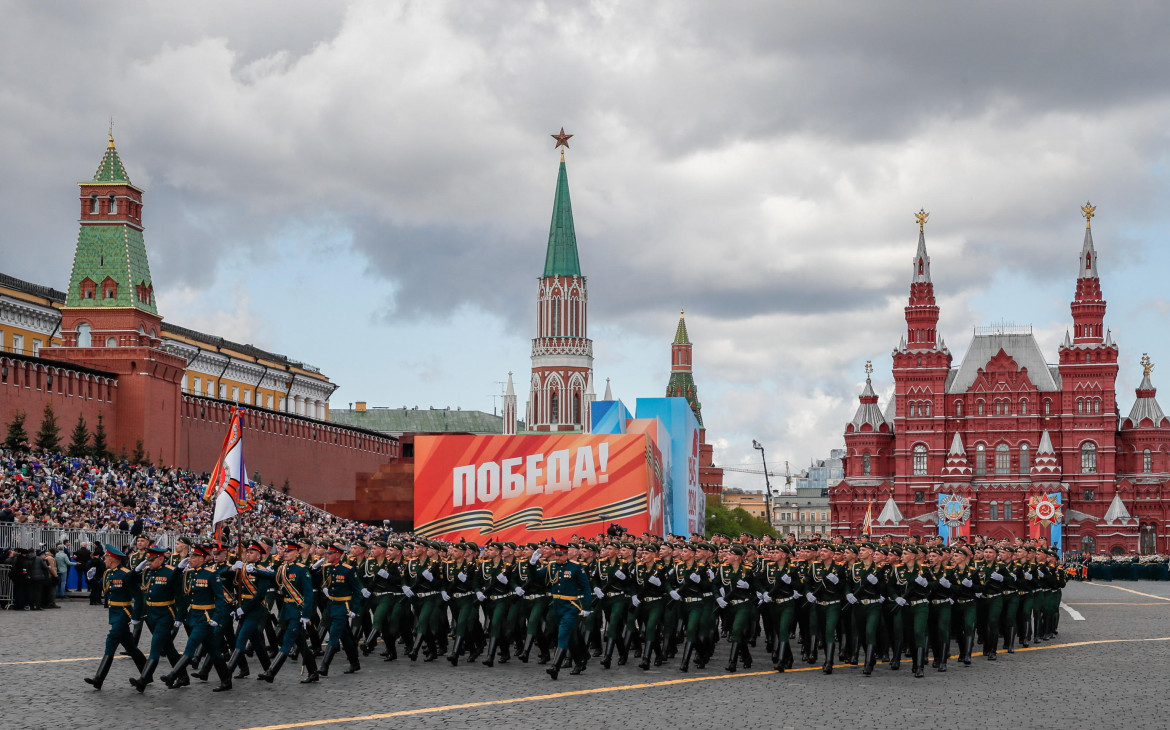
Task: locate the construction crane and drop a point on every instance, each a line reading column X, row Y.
column 787, row 475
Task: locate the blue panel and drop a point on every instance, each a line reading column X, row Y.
column 610, row 416
column 686, row 504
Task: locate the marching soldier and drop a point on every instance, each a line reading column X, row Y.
column 253, row 581
column 735, row 581
column 162, row 588
column 911, row 583
column 462, row 580
column 204, row 596
column 826, row 583
column 867, row 585
column 295, row 585
column 344, row 591
column 494, row 588
column 123, row 594
column 572, row 600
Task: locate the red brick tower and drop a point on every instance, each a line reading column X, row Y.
column 682, row 385
column 110, row 320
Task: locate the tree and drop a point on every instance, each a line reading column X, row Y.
column 17, row 439
column 79, row 440
column 101, row 448
column 49, row 435
column 735, row 521
column 285, row 488
column 139, row 455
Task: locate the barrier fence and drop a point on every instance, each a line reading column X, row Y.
column 16, row 535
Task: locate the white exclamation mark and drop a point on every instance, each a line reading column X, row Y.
column 602, row 462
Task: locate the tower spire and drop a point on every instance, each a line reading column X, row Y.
column 1088, row 306
column 682, row 379
column 561, row 257
column 921, row 312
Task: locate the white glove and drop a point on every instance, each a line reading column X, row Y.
column 637, row 601
column 305, row 622
column 462, row 577
column 382, row 573
column 325, row 591
column 695, row 578
column 239, row 613
column 675, row 595
column 134, row 622
column 966, row 582
column 900, row 601
column 480, row 596
column 183, row 564
column 89, row 574
column 209, row 623
column 920, row 580
column 654, row 580
column 979, row 595
column 140, row 567
column 950, row 600
column 535, row 557
column 1027, row 576
column 832, row 578
column 350, row 614
column 619, row 575
column 873, row 579
column 796, row 595
column 810, row 597
column 851, row 598
column 444, row 596
column 366, row 593
column 997, row 576
column 238, row 565
column 518, row 591
column 944, row 582
column 502, row 578
column 722, row 603
column 180, row 623
column 765, row 598
column 742, row 584
column 428, row 575
column 787, row 579
column 250, row 567
column 585, row 613
column 881, row 599
column 710, row 574
column 319, row 563
column 407, row 592
column 1040, row 573
column 599, row 593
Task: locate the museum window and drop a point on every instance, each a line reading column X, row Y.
column 958, row 408
column 993, row 511
column 1025, row 459
column 1088, row 544
column 1023, row 406
column 1007, row 510
column 1147, row 461
column 920, row 498
column 919, row 460
column 1090, row 495
column 979, row 407
column 865, row 465
column 1047, row 407
column 1003, row 459
column 1080, row 405
column 980, row 460
column 1088, row 458
column 928, row 408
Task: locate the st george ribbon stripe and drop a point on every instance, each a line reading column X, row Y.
column 532, row 517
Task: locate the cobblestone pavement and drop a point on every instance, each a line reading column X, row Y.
column 1072, row 682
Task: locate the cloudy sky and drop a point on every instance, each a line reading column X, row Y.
column 367, row 186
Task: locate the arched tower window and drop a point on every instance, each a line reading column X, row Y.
column 958, row 408
column 1003, row 459
column 1007, row 509
column 113, row 204
column 1047, row 407
column 94, row 206
column 1023, row 406
column 979, row 407
column 980, row 460
column 865, row 465
column 554, row 405
column 1147, row 462
column 1025, row 459
column 993, row 511
column 83, row 335
column 556, row 316
column 919, row 460
column 577, row 409
column 1088, row 458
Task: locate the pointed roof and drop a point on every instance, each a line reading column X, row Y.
column 512, row 391
column 921, row 261
column 957, row 446
column 561, row 257
column 1117, row 511
column 1146, row 406
column 110, row 169
column 680, row 334
column 867, row 409
column 1088, row 260
column 1045, row 445
column 1019, row 346
column 608, row 392
column 589, row 385
column 890, row 513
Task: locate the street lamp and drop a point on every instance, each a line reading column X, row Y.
column 767, row 482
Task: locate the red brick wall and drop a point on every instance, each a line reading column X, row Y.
column 72, row 393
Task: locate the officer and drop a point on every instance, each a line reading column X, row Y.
column 296, row 613
column 911, row 584
column 866, row 592
column 121, row 588
column 462, row 579
column 344, row 591
column 253, row 581
column 162, row 591
column 493, row 589
column 572, row 600
column 825, row 580
column 736, row 583
column 203, row 593
column 691, row 586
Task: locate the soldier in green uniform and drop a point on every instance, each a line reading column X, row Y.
column 296, row 596
column 649, row 600
column 123, row 594
column 736, row 583
column 253, row 581
column 535, row 601
column 691, row 586
column 493, row 589
column 204, row 597
column 993, row 583
column 942, row 582
column 462, row 580
column 825, row 580
column 1013, row 574
column 426, row 585
column 388, row 602
column 161, row 587
column 134, row 559
column 1028, row 585
column 571, row 600
column 911, row 584
column 344, row 591
column 968, row 585
column 866, row 592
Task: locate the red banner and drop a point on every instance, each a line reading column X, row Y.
column 534, row 487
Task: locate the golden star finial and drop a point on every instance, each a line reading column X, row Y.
column 1147, row 364
column 562, row 139
column 1087, row 211
column 111, row 131
column 868, row 368
column 921, row 215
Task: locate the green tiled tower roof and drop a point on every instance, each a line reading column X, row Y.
column 680, row 335
column 561, row 258
column 111, row 170
column 682, row 385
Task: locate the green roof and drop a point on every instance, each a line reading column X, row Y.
column 409, row 420
column 111, row 170
column 682, row 385
column 680, row 335
column 116, row 251
column 561, row 258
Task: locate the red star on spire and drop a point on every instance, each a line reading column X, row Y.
column 562, row 139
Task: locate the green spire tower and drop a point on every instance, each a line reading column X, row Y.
column 682, row 380
column 561, row 257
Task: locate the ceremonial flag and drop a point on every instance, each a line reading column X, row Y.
column 865, row 523
column 229, row 480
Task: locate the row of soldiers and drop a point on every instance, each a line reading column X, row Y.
column 857, row 602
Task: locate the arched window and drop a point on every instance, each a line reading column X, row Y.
column 928, row 408
column 913, row 410
column 958, row 408
column 1147, row 461
column 556, row 317
column 554, row 408
column 993, row 511
column 1088, row 458
column 94, row 205
column 111, row 342
column 865, row 466
column 1047, row 407
column 1088, row 544
column 1007, row 509
column 1023, row 406
column 1003, row 459
column 113, row 204
column 577, row 409
column 979, row 407
column 1080, row 405
column 980, row 459
column 1096, row 405
column 919, row 460
column 1025, row 459
column 83, row 335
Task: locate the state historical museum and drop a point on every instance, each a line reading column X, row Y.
column 1007, row 445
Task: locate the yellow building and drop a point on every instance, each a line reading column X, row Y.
column 750, row 502
column 30, row 318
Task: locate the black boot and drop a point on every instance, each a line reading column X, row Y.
column 830, row 653
column 103, row 669
column 351, row 653
column 733, row 660
column 870, row 660
column 413, row 653
column 311, row 668
column 491, row 653
column 457, row 647
column 624, row 648
column 581, row 662
column 946, row 649
column 505, row 655
column 171, row 677
column 687, row 650
column 1009, row 641
column 645, row 663
column 896, row 656
column 327, row 660
column 557, row 658
column 204, row 664
column 991, row 647
column 970, row 641
column 371, row 643
column 523, row 655
column 225, row 675
column 139, row 683
column 273, row 668
column 432, row 651
column 243, row 665
column 234, row 661
column 920, row 662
